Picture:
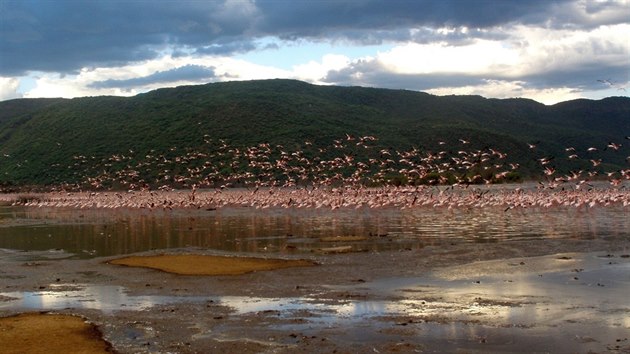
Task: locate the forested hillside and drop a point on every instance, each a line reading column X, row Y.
column 55, row 141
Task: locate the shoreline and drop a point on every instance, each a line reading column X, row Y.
column 503, row 197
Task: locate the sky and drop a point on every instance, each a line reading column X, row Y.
column 546, row 50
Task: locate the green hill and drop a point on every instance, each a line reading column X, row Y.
column 53, row 141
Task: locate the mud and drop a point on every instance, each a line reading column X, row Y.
column 534, row 296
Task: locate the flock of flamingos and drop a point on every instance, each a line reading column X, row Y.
column 350, row 173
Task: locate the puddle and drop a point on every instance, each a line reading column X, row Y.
column 590, row 289
column 459, row 309
column 106, row 298
column 318, row 310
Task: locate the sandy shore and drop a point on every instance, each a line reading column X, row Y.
column 534, row 296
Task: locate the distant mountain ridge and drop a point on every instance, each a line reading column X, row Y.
column 40, row 139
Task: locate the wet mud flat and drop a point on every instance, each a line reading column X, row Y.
column 520, row 296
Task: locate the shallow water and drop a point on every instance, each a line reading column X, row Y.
column 559, row 305
column 557, row 309
column 93, row 233
column 106, row 298
column 601, row 290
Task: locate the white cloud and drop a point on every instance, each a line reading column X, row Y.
column 237, row 69
column 8, row 88
column 543, row 50
column 592, row 12
column 67, row 86
column 540, row 63
column 314, row 71
column 527, row 51
column 55, row 85
column 511, row 89
column 481, row 56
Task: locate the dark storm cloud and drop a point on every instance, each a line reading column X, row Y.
column 64, row 35
column 315, row 18
column 420, row 35
column 227, row 47
column 184, row 73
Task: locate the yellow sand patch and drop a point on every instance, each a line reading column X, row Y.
column 190, row 264
column 50, row 333
column 343, row 238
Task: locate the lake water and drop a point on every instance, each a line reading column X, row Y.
column 559, row 310
column 93, row 233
